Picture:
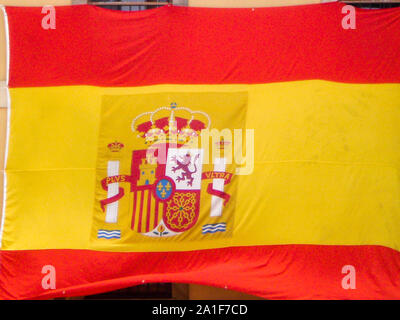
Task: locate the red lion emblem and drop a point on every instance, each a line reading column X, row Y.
column 183, row 164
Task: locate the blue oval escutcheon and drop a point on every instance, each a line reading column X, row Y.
column 164, row 188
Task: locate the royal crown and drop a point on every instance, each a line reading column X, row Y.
column 170, row 124
column 115, row 146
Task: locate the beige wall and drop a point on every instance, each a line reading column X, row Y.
column 195, row 291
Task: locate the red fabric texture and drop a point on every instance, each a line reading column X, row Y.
column 273, row 272
column 180, row 45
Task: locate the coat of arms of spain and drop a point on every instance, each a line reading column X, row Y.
column 163, row 170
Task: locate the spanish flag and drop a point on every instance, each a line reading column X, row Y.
column 251, row 149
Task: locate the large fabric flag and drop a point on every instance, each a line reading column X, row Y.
column 251, row 149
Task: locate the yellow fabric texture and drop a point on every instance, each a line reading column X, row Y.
column 325, row 172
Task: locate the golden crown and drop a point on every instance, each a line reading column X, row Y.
column 170, row 124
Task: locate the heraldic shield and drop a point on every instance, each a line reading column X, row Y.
column 166, row 197
column 155, row 178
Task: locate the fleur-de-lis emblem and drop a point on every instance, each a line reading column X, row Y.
column 164, row 189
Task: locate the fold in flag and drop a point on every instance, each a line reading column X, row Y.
column 256, row 150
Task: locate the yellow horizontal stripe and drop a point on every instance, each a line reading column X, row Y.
column 327, row 158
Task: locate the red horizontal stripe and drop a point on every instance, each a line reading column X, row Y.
column 177, row 45
column 274, row 272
